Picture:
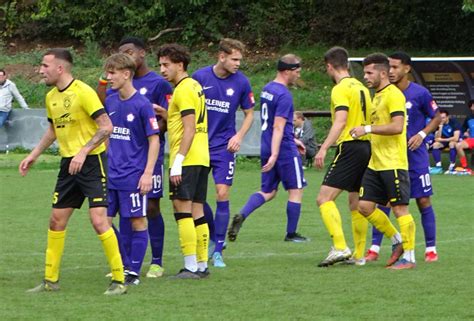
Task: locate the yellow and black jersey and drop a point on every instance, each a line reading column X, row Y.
column 388, row 152
column 351, row 95
column 72, row 112
column 188, row 98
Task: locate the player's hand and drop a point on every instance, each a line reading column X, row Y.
column 414, row 142
column 175, row 179
column 269, row 165
column 25, row 165
column 176, row 170
column 234, row 144
column 76, row 163
column 319, row 159
column 300, row 146
column 357, row 132
column 145, row 183
column 160, row 111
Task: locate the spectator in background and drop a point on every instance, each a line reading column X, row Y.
column 8, row 90
column 468, row 139
column 447, row 135
column 304, row 132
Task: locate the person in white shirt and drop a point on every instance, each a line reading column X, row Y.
column 8, row 90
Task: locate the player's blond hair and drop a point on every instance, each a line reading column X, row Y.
column 120, row 61
column 228, row 44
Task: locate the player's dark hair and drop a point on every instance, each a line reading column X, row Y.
column 338, row 57
column 136, row 41
column 471, row 102
column 60, row 53
column 228, row 44
column 176, row 53
column 402, row 56
column 379, row 60
column 444, row 111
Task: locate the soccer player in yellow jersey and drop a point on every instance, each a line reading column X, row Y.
column 189, row 159
column 78, row 121
column 386, row 179
column 350, row 103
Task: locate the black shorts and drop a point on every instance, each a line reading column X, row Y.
column 386, row 186
column 193, row 185
column 348, row 167
column 90, row 182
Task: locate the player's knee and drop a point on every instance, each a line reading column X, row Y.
column 222, row 196
column 153, row 209
column 138, row 223
column 423, row 202
column 452, row 144
column 366, row 208
column 269, row 196
column 56, row 223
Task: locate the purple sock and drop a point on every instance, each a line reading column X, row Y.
column 436, row 155
column 139, row 244
column 452, row 155
column 428, row 220
column 210, row 221
column 377, row 236
column 156, row 231
column 255, row 201
column 293, row 211
column 221, row 223
column 123, row 252
column 126, row 232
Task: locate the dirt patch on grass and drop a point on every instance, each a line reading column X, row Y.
column 23, row 70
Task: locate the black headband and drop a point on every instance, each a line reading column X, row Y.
column 281, row 66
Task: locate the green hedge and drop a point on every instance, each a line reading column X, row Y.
column 436, row 25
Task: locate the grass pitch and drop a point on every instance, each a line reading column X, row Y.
column 266, row 278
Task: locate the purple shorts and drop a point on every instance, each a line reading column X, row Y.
column 420, row 183
column 287, row 171
column 127, row 203
column 157, row 180
column 223, row 166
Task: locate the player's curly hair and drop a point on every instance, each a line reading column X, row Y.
column 176, row 53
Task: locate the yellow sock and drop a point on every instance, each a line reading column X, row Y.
column 202, row 234
column 332, row 220
column 54, row 253
column 407, row 230
column 187, row 234
column 382, row 223
column 359, row 233
column 112, row 253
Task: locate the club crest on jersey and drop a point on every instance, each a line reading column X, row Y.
column 408, row 105
column 143, row 91
column 229, row 92
column 153, row 123
column 130, row 117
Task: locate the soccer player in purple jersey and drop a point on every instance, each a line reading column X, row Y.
column 419, row 105
column 158, row 91
column 280, row 158
column 132, row 152
column 225, row 88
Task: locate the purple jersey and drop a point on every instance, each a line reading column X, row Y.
column 276, row 100
column 133, row 120
column 223, row 97
column 158, row 91
column 419, row 105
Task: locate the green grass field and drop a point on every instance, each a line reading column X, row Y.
column 266, row 278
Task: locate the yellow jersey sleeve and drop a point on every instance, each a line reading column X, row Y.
column 90, row 100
